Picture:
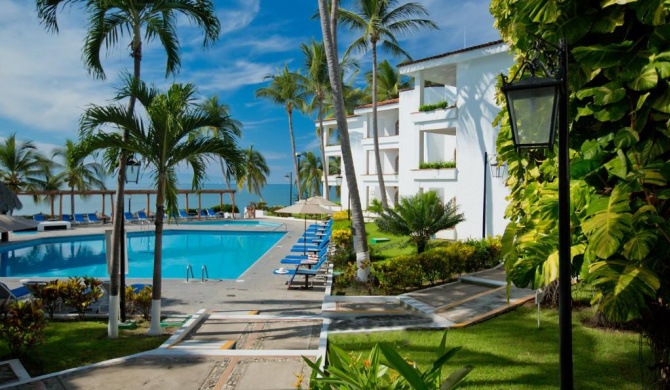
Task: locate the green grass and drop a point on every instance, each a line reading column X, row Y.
column 384, row 250
column 78, row 343
column 510, row 352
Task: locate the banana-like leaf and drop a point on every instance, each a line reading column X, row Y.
column 395, row 361
column 607, row 223
column 456, row 378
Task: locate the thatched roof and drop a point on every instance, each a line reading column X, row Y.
column 8, row 199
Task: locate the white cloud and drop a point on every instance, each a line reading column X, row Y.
column 231, row 76
column 234, row 19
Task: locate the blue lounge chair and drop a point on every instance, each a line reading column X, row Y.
column 80, row 219
column 297, row 259
column 66, row 218
column 39, row 217
column 183, row 214
column 8, row 295
column 93, row 218
column 142, row 217
column 302, row 269
column 129, row 217
column 213, row 214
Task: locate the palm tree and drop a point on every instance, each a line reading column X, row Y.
column 379, row 21
column 328, row 12
column 171, row 138
column 51, row 183
column 311, row 170
column 254, row 172
column 77, row 173
column 22, row 166
column 419, row 217
column 389, row 82
column 109, row 20
column 285, row 89
column 213, row 107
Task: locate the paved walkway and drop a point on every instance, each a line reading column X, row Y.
column 252, row 333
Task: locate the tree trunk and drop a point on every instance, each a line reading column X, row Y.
column 324, row 161
column 329, row 30
column 375, row 130
column 72, row 201
column 155, row 327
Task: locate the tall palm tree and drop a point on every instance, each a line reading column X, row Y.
column 379, row 21
column 328, row 12
column 108, row 21
column 311, row 171
column 213, row 107
column 285, row 89
column 77, row 173
column 22, row 166
column 51, row 183
column 171, row 137
column 389, row 82
column 254, row 172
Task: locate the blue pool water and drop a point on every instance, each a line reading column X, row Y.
column 227, row 254
column 236, row 222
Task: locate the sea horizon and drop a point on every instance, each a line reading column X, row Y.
column 272, row 194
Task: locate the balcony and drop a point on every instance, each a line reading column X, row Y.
column 440, row 174
column 438, row 115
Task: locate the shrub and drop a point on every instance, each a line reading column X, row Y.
column 342, row 238
column 434, row 265
column 341, row 257
column 431, row 107
column 23, row 326
column 142, row 302
column 79, row 293
column 457, row 254
column 437, row 165
column 486, row 254
column 51, row 295
column 227, row 208
column 341, row 215
column 399, row 273
column 346, row 278
column 375, row 206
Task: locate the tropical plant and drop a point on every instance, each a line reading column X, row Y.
column 170, row 137
column 285, row 89
column 108, row 21
column 311, row 171
column 51, row 295
column 81, row 292
column 384, row 368
column 419, row 217
column 51, row 184
column 379, row 21
column 77, row 173
column 22, row 166
column 213, row 107
column 22, row 326
column 431, row 107
column 389, row 82
column 254, row 171
column 618, row 79
column 328, row 12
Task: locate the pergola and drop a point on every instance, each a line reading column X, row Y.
column 111, row 193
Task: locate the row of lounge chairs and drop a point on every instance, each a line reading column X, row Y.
column 309, row 254
column 77, row 219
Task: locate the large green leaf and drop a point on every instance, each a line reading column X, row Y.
column 643, row 237
column 612, row 112
column 607, row 223
column 645, row 80
column 625, row 138
column 653, row 12
column 661, row 101
column 607, row 3
column 608, row 21
column 602, row 56
column 618, row 165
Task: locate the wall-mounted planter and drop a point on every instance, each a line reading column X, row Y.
column 442, row 114
column 435, row 174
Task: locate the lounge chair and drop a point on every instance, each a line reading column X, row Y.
column 8, row 295
column 183, row 214
column 297, row 259
column 142, row 217
column 93, row 218
column 39, row 217
column 66, row 218
column 213, row 214
column 304, row 247
column 80, row 219
column 130, row 218
column 306, row 269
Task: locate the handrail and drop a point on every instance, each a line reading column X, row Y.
column 280, row 225
column 189, row 270
column 203, row 273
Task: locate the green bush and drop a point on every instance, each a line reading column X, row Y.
column 139, row 301
column 227, row 208
column 81, row 292
column 22, row 326
column 437, row 165
column 435, row 266
column 398, row 273
column 457, row 254
column 51, row 295
column 486, row 254
column 431, row 107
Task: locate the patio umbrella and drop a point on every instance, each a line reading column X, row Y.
column 8, row 199
column 304, row 208
column 320, row 200
column 9, row 223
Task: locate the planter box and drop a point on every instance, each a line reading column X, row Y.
column 434, row 174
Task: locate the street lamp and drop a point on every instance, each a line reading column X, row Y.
column 132, row 170
column 289, row 177
column 338, row 180
column 132, row 176
column 538, row 107
column 298, row 155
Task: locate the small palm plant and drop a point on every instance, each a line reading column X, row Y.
column 419, row 217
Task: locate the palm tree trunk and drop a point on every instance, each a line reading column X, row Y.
column 324, row 162
column 289, row 111
column 375, row 130
column 226, row 179
column 155, row 327
column 72, row 200
column 328, row 29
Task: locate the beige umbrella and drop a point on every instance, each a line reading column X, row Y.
column 320, row 200
column 8, row 199
column 9, row 223
column 304, row 208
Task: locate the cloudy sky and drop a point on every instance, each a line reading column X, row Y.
column 45, row 87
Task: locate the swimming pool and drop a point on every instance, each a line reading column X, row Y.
column 227, row 254
column 236, row 223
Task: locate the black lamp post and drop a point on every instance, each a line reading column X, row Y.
column 298, row 155
column 289, row 177
column 538, row 106
column 132, row 176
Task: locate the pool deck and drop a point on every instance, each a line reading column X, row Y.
column 251, row 333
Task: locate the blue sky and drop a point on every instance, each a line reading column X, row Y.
column 45, row 86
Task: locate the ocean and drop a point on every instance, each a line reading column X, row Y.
column 272, row 194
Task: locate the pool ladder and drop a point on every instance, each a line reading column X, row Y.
column 204, row 273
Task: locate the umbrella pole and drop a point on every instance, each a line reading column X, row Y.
column 304, row 239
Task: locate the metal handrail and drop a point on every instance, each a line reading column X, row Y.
column 203, row 273
column 282, row 224
column 189, row 271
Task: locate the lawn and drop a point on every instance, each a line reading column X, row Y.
column 396, row 245
column 71, row 344
column 510, row 352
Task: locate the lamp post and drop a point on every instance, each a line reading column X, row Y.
column 536, row 105
column 289, row 177
column 298, row 155
column 132, row 176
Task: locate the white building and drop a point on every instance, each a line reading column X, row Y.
column 461, row 133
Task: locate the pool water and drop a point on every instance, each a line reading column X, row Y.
column 233, row 223
column 226, row 254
